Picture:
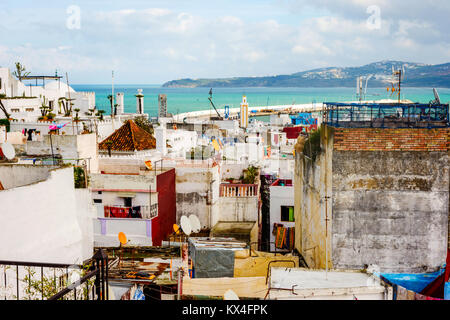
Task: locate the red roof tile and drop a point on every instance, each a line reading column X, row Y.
column 129, row 137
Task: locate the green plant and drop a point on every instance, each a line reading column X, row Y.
column 250, row 175
column 7, row 115
column 312, row 145
column 144, row 123
column 100, row 114
column 20, row 71
column 45, row 286
column 80, row 178
column 5, row 122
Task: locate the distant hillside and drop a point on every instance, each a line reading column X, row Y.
column 417, row 75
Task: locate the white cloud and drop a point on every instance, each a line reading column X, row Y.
column 165, row 42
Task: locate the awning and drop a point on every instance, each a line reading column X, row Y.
column 126, row 194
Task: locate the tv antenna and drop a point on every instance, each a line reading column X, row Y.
column 398, row 76
column 185, row 225
column 8, row 150
column 195, row 223
column 123, row 241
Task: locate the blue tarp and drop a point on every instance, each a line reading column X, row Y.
column 413, row 281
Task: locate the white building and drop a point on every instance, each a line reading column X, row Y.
column 281, row 209
column 125, row 203
column 23, row 102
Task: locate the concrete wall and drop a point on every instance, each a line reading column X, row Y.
column 386, row 208
column 312, row 184
column 123, row 181
column 236, row 209
column 68, row 146
column 43, row 222
column 390, row 209
column 138, row 232
column 13, row 175
column 197, row 193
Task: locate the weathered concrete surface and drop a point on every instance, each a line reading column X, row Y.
column 312, row 208
column 390, row 209
column 387, row 208
column 18, row 175
column 197, row 192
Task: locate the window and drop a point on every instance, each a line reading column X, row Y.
column 99, row 192
column 287, row 213
column 15, row 110
column 127, row 202
column 97, row 200
column 29, row 109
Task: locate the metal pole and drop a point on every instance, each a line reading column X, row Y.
column 42, row 283
column 180, row 283
column 17, row 280
column 51, row 146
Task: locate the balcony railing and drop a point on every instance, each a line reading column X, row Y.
column 375, row 115
column 137, row 212
column 233, row 190
column 53, row 281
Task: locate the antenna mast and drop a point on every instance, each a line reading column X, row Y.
column 112, row 98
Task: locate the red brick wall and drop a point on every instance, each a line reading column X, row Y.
column 369, row 139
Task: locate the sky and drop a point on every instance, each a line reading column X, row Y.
column 153, row 41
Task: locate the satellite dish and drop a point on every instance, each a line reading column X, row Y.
column 122, row 238
column 195, row 223
column 436, row 96
column 8, row 150
column 230, row 295
column 185, row 225
column 176, row 229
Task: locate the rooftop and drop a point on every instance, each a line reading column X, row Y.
column 282, row 183
column 386, row 115
column 315, row 279
column 129, row 137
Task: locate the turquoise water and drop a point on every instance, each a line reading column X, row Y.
column 193, row 99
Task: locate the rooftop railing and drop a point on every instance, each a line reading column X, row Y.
column 139, row 212
column 54, row 281
column 238, row 190
column 376, row 115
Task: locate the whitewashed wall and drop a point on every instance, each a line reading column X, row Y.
column 279, row 196
column 41, row 222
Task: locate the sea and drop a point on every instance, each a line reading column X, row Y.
column 180, row 100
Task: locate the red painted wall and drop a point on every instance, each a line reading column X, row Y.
column 162, row 225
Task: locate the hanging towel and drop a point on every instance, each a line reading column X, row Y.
column 136, row 212
column 291, row 214
column 279, row 239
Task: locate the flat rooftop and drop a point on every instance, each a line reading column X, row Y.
column 318, row 279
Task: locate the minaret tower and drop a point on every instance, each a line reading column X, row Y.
column 244, row 113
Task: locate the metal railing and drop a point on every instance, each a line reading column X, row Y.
column 146, row 211
column 375, row 115
column 48, row 281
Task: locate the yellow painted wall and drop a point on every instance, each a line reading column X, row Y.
column 257, row 264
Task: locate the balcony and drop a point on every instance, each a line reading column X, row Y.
column 136, row 212
column 234, row 190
